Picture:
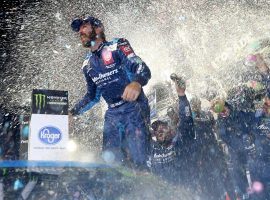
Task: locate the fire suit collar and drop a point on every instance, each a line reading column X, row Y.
column 99, row 48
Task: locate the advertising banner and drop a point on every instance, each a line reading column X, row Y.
column 24, row 135
column 48, row 136
column 53, row 102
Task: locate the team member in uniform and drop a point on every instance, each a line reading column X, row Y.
column 260, row 172
column 112, row 70
column 162, row 154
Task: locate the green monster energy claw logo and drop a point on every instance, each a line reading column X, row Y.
column 40, row 100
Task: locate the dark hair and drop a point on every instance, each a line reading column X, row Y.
column 158, row 123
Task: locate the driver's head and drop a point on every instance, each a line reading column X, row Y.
column 162, row 131
column 195, row 104
column 221, row 107
column 89, row 28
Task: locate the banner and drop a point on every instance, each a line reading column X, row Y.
column 24, row 136
column 50, row 102
column 48, row 136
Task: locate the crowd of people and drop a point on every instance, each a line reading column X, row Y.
column 226, row 156
column 220, row 153
column 185, row 150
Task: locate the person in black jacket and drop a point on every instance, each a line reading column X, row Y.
column 260, row 155
column 235, row 127
column 186, row 147
column 199, row 156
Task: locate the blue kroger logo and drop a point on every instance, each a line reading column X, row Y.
column 50, row 135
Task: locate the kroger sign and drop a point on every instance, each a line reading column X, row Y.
column 50, row 135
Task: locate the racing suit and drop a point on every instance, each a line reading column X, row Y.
column 108, row 71
column 234, row 130
column 210, row 160
column 260, row 170
column 186, row 147
column 162, row 159
column 199, row 152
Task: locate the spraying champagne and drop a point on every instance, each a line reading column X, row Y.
column 178, row 80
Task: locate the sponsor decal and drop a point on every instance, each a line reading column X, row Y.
column 56, row 100
column 50, row 102
column 140, row 69
column 107, row 57
column 263, row 127
column 126, row 49
column 187, row 111
column 40, row 100
column 110, row 66
column 104, row 76
column 50, row 135
column 132, row 55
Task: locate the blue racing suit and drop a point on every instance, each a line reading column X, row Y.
column 186, row 147
column 108, row 71
column 210, row 160
column 162, row 158
column 234, row 131
column 186, row 125
column 260, row 170
column 200, row 158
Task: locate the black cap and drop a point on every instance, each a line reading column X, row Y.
column 78, row 21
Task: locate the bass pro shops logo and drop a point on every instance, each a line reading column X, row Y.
column 50, row 135
column 40, row 100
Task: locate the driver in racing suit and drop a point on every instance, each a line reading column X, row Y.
column 112, row 70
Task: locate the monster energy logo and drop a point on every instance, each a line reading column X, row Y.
column 40, row 100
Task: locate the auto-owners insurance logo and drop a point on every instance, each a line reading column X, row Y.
column 50, row 135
